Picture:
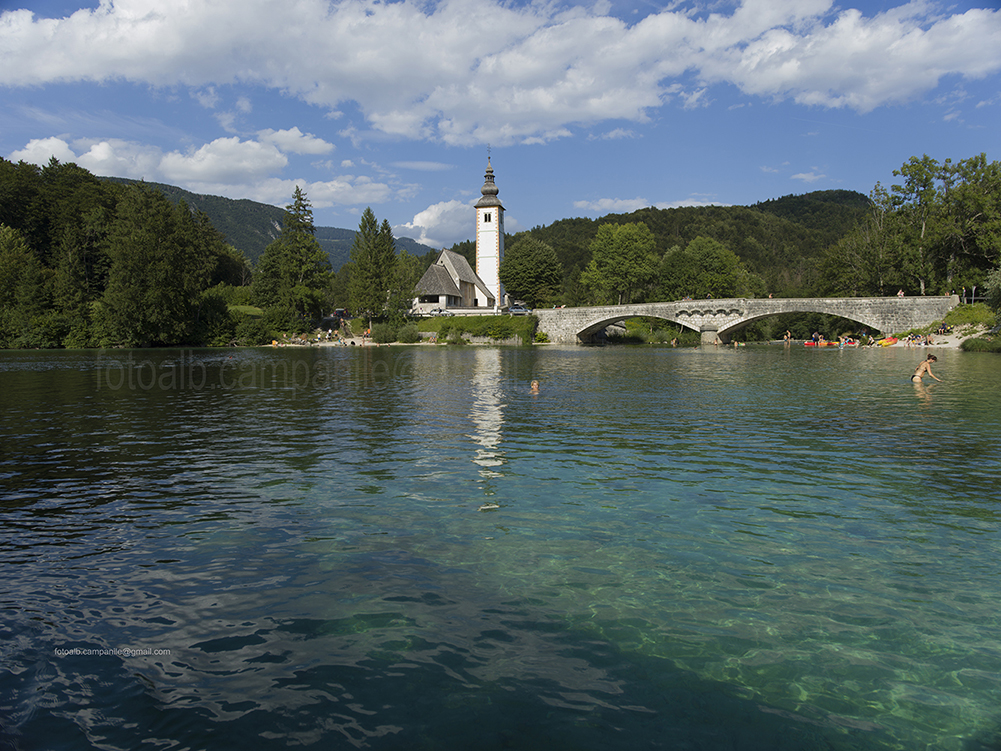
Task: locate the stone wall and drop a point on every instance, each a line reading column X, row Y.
column 718, row 317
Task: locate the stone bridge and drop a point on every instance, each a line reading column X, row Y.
column 719, row 318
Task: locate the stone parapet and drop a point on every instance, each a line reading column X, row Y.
column 719, row 317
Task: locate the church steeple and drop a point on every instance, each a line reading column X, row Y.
column 489, row 189
column 490, row 238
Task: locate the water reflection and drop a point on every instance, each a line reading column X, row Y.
column 487, row 413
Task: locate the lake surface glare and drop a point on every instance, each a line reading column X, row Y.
column 403, row 548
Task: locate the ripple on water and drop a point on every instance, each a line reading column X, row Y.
column 727, row 549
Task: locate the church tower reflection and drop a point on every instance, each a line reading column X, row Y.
column 487, row 413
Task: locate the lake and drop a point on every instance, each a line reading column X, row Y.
column 403, row 548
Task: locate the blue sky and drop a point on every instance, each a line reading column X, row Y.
column 587, row 109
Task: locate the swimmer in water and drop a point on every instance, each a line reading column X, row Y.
column 925, row 367
column 534, row 388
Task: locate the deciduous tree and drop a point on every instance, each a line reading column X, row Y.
column 532, row 272
column 622, row 260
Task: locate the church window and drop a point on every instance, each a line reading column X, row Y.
column 486, row 217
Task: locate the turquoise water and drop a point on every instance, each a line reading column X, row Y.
column 403, row 548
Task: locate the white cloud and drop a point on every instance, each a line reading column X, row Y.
column 617, row 134
column 469, row 71
column 295, row 141
column 423, row 166
column 224, row 160
column 613, row 205
column 687, row 202
column 117, row 158
column 207, row 97
column 226, row 120
column 808, row 177
column 226, row 166
column 441, row 225
column 695, row 99
column 346, row 190
column 41, row 150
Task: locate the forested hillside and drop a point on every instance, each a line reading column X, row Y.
column 86, row 261
column 779, row 240
column 250, row 226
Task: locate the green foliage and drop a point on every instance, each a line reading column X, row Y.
column 383, row 333
column 408, row 334
column 982, row 344
column 107, row 264
column 622, row 261
column 938, row 230
column 867, row 261
column 407, row 271
column 495, row 327
column 338, row 294
column 294, row 273
column 215, row 325
column 373, row 257
column 253, row 331
column 235, row 296
column 532, row 272
column 156, row 274
column 994, row 290
column 655, row 331
column 978, row 314
column 705, row 268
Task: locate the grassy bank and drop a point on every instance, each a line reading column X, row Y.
column 453, row 328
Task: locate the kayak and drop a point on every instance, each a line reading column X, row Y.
column 889, row 341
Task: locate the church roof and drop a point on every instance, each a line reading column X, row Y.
column 436, row 281
column 444, row 276
column 463, row 271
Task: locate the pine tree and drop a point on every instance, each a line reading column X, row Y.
column 294, row 272
column 156, row 274
column 373, row 257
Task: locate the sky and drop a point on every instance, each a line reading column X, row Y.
column 583, row 109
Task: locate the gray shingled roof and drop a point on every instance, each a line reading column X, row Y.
column 465, row 271
column 437, row 281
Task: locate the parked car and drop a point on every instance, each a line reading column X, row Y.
column 442, row 312
column 519, row 310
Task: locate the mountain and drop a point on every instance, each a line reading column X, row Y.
column 780, row 240
column 250, row 226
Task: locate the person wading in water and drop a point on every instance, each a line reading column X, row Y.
column 925, row 367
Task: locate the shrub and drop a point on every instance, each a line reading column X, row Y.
column 974, row 314
column 383, row 333
column 501, row 327
column 215, row 325
column 981, row 344
column 252, row 331
column 408, row 334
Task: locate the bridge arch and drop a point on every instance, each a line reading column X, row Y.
column 713, row 318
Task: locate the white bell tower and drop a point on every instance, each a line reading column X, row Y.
column 490, row 238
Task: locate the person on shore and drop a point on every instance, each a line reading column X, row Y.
column 925, row 367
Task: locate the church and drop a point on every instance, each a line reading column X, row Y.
column 450, row 283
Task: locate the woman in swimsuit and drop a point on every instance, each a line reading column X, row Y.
column 925, row 367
